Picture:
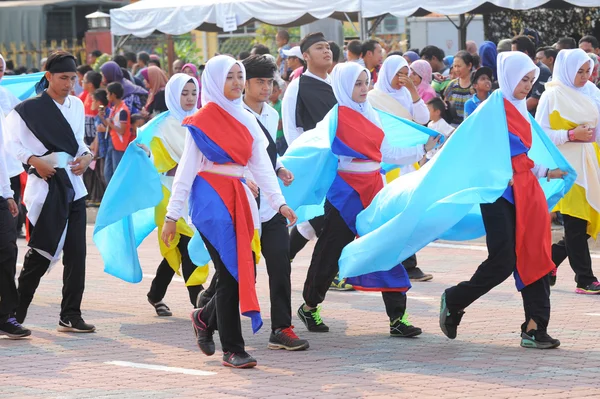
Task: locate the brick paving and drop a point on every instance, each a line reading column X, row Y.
column 356, row 359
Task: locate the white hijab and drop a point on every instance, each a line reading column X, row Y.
column 173, row 92
column 512, row 67
column 388, row 70
column 566, row 66
column 344, row 78
column 213, row 84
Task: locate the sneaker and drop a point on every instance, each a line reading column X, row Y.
column 240, row 360
column 204, row 336
column 77, row 326
column 312, row 319
column 13, row 329
column 552, row 276
column 203, row 299
column 286, row 338
column 416, row 274
column 449, row 320
column 340, row 285
column 592, row 289
column 533, row 339
column 161, row 308
column 401, row 327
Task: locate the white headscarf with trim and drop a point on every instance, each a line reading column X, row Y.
column 391, row 66
column 344, row 77
column 512, row 67
column 173, row 92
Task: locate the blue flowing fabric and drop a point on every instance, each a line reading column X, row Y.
column 441, row 200
column 315, row 166
column 126, row 214
column 22, row 86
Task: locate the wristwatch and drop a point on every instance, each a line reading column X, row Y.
column 168, row 219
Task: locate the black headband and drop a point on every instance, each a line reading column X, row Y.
column 259, row 74
column 62, row 65
column 305, row 45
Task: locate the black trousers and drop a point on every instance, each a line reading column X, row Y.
column 499, row 222
column 9, row 296
column 74, row 253
column 410, row 262
column 297, row 240
column 274, row 241
column 165, row 273
column 223, row 311
column 574, row 245
column 324, row 264
column 15, row 185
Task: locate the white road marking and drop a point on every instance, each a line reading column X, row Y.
column 178, row 279
column 161, row 368
column 592, row 314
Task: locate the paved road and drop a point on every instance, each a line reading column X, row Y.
column 135, row 354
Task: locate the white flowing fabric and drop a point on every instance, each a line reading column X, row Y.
column 512, row 67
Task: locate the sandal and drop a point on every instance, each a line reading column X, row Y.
column 161, row 308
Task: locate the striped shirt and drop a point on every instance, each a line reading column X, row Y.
column 457, row 96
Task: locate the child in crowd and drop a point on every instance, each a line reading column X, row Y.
column 137, row 121
column 481, row 80
column 100, row 145
column 275, row 102
column 119, row 128
column 282, row 40
column 440, row 116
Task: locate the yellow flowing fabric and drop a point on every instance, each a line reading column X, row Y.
column 166, row 152
column 569, row 109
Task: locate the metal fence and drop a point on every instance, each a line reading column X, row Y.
column 29, row 55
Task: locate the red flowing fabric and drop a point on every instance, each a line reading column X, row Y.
column 533, row 236
column 235, row 139
column 364, row 137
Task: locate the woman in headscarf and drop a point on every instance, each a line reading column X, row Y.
column 411, row 56
column 133, row 96
column 396, row 93
column 223, row 139
column 359, row 145
column 569, row 112
column 489, row 54
column 517, row 223
column 421, row 76
column 191, row 70
column 166, row 148
column 155, row 81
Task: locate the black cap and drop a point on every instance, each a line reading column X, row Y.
column 481, row 71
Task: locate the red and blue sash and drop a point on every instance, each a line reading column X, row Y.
column 352, row 192
column 219, row 205
column 532, row 236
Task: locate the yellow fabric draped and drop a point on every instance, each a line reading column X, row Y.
column 569, row 109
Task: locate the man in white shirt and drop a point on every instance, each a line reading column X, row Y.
column 47, row 133
column 9, row 296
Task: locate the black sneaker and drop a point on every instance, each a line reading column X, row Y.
column 449, row 320
column 204, row 336
column 591, row 289
column 75, row 326
column 401, row 327
column 285, row 338
column 203, row 299
column 240, row 360
column 552, row 276
column 161, row 308
column 312, row 319
column 13, row 329
column 416, row 274
column 534, row 339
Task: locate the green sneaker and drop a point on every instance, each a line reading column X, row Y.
column 340, row 285
column 401, row 327
column 312, row 319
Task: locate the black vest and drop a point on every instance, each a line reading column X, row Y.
column 315, row 100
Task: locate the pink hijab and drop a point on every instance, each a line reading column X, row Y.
column 195, row 72
column 423, row 69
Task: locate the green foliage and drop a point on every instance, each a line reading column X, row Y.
column 265, row 34
column 104, row 58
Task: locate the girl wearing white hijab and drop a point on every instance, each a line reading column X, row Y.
column 395, row 92
column 166, row 149
column 516, row 224
column 569, row 113
column 223, row 139
column 360, row 145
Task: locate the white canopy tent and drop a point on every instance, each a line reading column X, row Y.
column 177, row 17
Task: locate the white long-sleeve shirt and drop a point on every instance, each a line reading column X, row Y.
column 270, row 120
column 420, row 112
column 288, row 108
column 8, row 102
column 23, row 144
column 193, row 161
column 5, row 190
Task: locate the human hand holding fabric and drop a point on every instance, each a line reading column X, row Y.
column 555, row 174
column 168, row 232
column 80, row 164
column 432, row 142
column 43, row 168
column 253, row 188
column 286, row 176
